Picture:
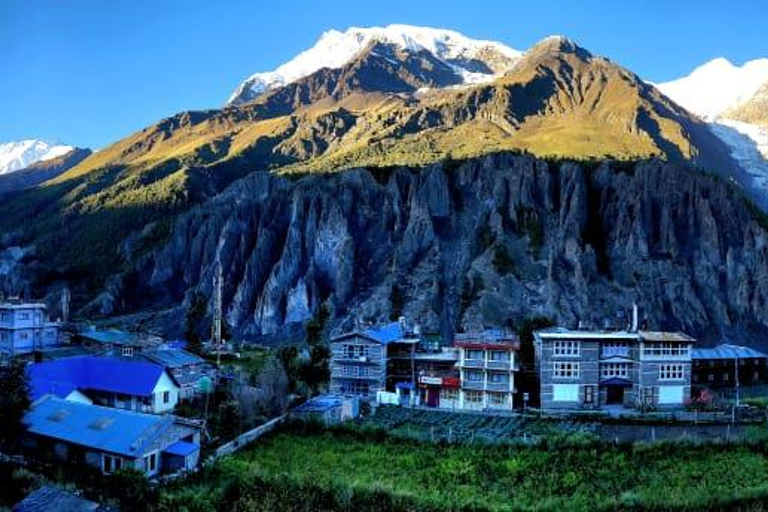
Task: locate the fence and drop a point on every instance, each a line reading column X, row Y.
column 247, row 438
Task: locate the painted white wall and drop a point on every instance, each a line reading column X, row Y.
column 165, row 384
column 671, row 395
column 565, row 392
column 77, row 396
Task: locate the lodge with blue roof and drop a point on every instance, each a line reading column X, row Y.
column 124, row 384
column 109, row 439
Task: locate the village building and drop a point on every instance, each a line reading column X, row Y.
column 114, row 342
column 130, row 385
column 49, row 498
column 187, row 368
column 591, row 369
column 327, row 409
column 727, row 366
column 25, row 328
column 109, row 439
column 487, row 365
column 367, row 361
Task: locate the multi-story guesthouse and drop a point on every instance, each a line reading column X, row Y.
column 25, row 328
column 589, row 369
column 476, row 372
column 487, row 365
column 362, row 361
column 109, row 439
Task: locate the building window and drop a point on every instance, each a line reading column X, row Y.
column 360, row 388
column 449, row 394
column 473, row 397
column 356, row 351
column 610, row 370
column 127, row 351
column 498, row 378
column 665, row 350
column 110, row 463
column 166, row 397
column 615, row 349
column 671, row 372
column 474, row 355
column 150, row 462
column 725, row 377
column 498, row 356
column 589, row 394
column 473, row 376
column 24, row 315
column 497, row 399
column 23, row 335
column 565, row 370
column 566, row 348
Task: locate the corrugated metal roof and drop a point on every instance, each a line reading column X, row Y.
column 320, row 404
column 386, row 334
column 102, row 428
column 173, row 358
column 110, row 336
column 666, row 336
column 52, row 499
column 182, row 448
column 97, row 373
column 726, row 351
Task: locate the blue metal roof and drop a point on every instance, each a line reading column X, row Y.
column 726, row 351
column 319, row 404
column 97, row 373
column 386, row 333
column 53, row 499
column 101, row 428
column 172, row 358
column 182, row 448
column 110, row 336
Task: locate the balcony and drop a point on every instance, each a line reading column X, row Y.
column 476, row 385
column 499, row 365
column 473, row 363
column 499, row 386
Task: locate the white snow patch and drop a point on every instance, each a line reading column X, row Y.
column 335, row 48
column 717, row 86
column 18, row 155
column 749, row 147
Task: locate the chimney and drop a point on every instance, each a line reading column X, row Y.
column 401, row 321
column 634, row 316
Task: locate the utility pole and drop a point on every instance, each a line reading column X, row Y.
column 217, row 313
column 736, row 378
column 65, row 298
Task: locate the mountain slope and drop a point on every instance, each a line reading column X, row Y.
column 470, row 60
column 387, row 106
column 22, row 154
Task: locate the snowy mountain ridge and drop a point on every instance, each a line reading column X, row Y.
column 717, row 86
column 21, row 154
column 475, row 61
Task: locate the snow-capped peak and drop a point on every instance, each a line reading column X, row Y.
column 336, row 48
column 717, row 86
column 21, row 154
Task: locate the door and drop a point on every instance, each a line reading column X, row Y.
column 614, row 395
column 433, row 397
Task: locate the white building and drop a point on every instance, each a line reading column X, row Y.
column 25, row 327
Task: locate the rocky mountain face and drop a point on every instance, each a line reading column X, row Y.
column 390, row 105
column 41, row 171
column 489, row 241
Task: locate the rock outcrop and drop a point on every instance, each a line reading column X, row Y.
column 486, row 242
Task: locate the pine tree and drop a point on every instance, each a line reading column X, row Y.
column 195, row 315
column 14, row 403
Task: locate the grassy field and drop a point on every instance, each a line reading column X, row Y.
column 362, row 470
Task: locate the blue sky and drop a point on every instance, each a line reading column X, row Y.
column 88, row 72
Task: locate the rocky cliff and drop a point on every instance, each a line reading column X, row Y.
column 488, row 241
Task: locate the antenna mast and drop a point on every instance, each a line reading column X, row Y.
column 65, row 298
column 217, row 313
